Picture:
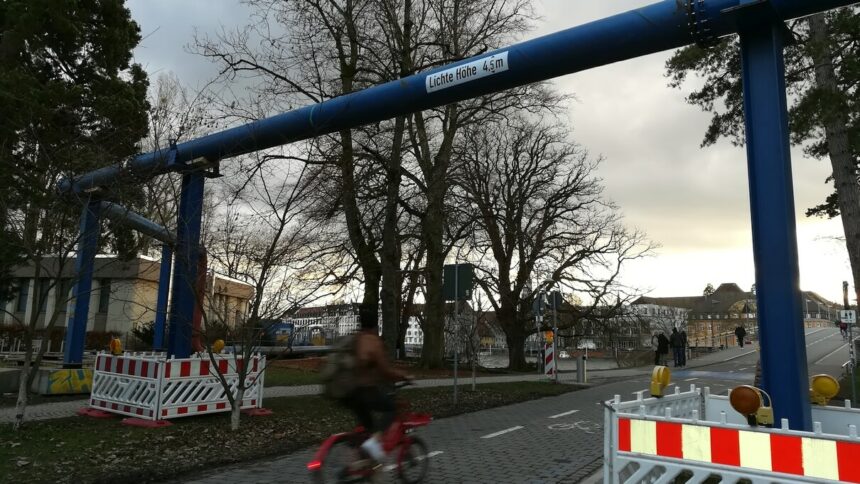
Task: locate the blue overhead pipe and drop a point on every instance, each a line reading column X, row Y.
column 661, row 26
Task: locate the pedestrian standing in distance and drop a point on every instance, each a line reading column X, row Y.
column 683, row 348
column 677, row 347
column 740, row 333
column 655, row 346
column 663, row 348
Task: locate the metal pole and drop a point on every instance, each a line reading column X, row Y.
column 772, row 212
column 185, row 275
column 456, row 327
column 163, row 294
column 555, row 333
column 853, row 357
column 88, row 243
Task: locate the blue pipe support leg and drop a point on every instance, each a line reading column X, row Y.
column 781, row 335
column 73, row 355
column 163, row 294
column 654, row 28
column 187, row 253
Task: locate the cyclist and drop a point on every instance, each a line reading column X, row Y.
column 373, row 373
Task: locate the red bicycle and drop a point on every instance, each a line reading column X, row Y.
column 335, row 460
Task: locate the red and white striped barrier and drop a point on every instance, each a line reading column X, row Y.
column 695, row 433
column 760, row 449
column 153, row 388
column 549, row 360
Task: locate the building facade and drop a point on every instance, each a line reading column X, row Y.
column 123, row 296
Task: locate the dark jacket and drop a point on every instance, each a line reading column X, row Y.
column 740, row 332
column 662, row 343
column 676, row 340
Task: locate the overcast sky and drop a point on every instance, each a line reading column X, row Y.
column 693, row 202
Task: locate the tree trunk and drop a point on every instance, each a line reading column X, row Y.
column 23, row 382
column 370, row 300
column 432, row 353
column 835, row 122
column 516, row 350
column 390, row 256
column 236, row 411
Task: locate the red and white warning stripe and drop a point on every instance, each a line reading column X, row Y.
column 837, row 460
column 199, row 409
column 131, row 410
column 203, row 367
column 549, row 359
column 129, row 366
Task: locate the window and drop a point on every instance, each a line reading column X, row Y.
column 104, row 296
column 23, row 294
column 65, row 293
column 44, row 288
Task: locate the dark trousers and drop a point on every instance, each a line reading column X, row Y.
column 741, row 341
column 678, row 353
column 656, row 357
column 373, row 408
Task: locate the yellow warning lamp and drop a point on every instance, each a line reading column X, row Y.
column 548, row 335
column 660, row 380
column 218, row 346
column 822, row 389
column 115, row 346
column 748, row 401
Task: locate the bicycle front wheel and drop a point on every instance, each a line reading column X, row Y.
column 412, row 463
column 335, row 468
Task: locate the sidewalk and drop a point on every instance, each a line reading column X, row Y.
column 47, row 411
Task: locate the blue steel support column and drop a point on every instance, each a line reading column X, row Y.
column 185, row 265
column 783, row 348
column 163, row 294
column 88, row 244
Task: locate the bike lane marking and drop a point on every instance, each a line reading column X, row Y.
column 391, row 467
column 828, row 355
column 564, row 414
column 502, row 432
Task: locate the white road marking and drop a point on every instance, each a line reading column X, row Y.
column 502, row 432
column 563, row 414
column 744, row 368
column 828, row 355
column 391, row 467
column 691, row 379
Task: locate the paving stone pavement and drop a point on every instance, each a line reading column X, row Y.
column 551, row 440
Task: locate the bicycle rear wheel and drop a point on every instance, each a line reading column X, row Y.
column 336, row 465
column 412, row 463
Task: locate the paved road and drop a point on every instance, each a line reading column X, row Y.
column 552, row 440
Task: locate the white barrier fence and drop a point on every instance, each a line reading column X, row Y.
column 150, row 387
column 698, row 437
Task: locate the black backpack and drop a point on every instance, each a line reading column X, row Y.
column 338, row 376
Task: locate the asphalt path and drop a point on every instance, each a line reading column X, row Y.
column 551, row 440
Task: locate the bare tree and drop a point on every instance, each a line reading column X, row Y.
column 264, row 237
column 539, row 214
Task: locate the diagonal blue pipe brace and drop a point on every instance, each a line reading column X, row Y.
column 125, row 216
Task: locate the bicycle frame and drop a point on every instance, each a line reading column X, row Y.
column 394, row 437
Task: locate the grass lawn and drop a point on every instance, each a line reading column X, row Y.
column 83, row 450
column 282, row 376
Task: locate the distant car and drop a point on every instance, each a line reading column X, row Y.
column 563, row 355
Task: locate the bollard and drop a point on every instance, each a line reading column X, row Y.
column 580, row 369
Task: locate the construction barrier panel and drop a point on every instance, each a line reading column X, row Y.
column 150, row 387
column 549, row 359
column 698, row 437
